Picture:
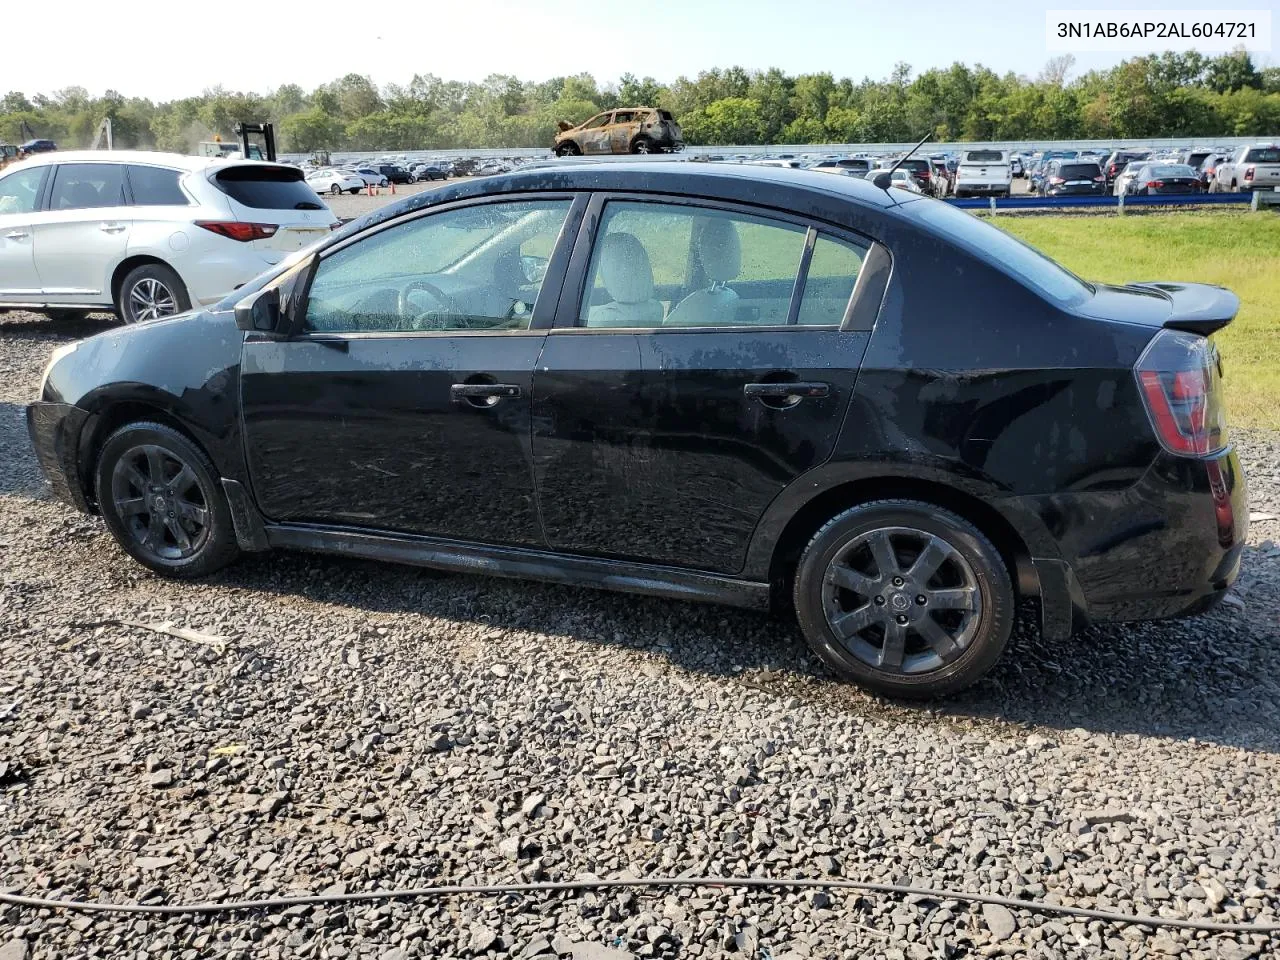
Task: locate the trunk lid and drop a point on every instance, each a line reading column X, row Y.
column 267, row 193
column 1194, row 307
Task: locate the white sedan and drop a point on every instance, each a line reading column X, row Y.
column 335, row 181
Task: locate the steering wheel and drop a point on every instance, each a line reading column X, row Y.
column 435, row 317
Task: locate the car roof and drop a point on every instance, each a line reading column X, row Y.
column 176, row 161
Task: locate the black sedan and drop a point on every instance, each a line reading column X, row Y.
column 1073, row 178
column 740, row 384
column 1155, row 179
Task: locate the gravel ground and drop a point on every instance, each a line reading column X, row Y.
column 366, row 726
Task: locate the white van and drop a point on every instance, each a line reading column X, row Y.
column 984, row 172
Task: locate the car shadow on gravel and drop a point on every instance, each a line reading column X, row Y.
column 75, row 329
column 1212, row 678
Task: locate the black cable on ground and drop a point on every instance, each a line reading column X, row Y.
column 423, row 893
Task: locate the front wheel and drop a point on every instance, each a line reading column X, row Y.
column 149, row 292
column 568, row 149
column 160, row 499
column 905, row 598
column 336, row 189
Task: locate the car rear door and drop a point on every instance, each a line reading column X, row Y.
column 402, row 401
column 702, row 359
column 83, row 232
column 21, row 191
column 276, row 195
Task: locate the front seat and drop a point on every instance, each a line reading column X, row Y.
column 628, row 279
column 720, row 253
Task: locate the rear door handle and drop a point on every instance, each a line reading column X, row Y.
column 786, row 390
column 17, row 235
column 111, row 227
column 484, row 391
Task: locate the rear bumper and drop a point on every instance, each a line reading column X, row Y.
column 980, row 188
column 55, row 433
column 1170, row 546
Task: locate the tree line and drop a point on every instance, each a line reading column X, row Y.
column 1164, row 95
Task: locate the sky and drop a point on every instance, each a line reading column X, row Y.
column 145, row 48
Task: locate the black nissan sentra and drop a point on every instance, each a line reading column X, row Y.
column 742, row 384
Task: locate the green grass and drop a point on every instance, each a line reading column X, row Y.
column 1237, row 250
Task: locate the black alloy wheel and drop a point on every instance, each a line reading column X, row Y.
column 158, row 496
column 904, row 597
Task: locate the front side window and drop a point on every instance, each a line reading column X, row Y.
column 156, row 187
column 658, row 265
column 20, row 190
column 599, row 121
column 83, row 186
column 471, row 268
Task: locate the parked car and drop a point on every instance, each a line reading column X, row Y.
column 394, row 173
column 693, row 410
column 1065, row 178
column 940, row 182
column 372, row 177
column 463, row 167
column 902, row 178
column 335, row 181
column 625, row 130
column 983, row 172
column 855, row 166
column 146, row 234
column 8, row 154
column 1123, row 183
column 1116, row 161
column 1016, row 168
column 428, row 171
column 1209, row 168
column 1250, row 168
column 37, row 146
column 1162, row 178
column 1194, row 158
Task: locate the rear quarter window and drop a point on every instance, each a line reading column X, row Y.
column 156, row 187
column 267, row 188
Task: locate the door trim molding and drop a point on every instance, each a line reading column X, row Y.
column 521, row 563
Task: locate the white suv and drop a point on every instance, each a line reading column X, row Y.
column 146, row 234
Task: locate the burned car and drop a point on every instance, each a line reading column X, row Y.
column 625, row 130
column 720, row 382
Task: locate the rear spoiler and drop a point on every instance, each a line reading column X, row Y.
column 1196, row 307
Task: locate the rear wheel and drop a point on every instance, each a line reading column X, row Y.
column 568, row 149
column 149, row 292
column 336, row 189
column 905, row 598
column 643, row 145
column 159, row 497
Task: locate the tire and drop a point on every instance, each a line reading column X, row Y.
column 160, row 498
column 643, row 145
column 336, row 189
column 154, row 283
column 967, row 635
column 568, row 149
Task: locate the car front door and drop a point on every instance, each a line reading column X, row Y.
column 621, row 130
column 706, row 365
column 401, row 400
column 83, row 232
column 20, row 192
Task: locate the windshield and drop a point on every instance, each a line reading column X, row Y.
column 991, row 244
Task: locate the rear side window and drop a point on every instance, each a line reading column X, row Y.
column 665, row 115
column 264, row 187
column 1263, row 155
column 833, row 270
column 83, row 186
column 154, row 187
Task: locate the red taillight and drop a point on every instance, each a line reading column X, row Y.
column 1248, row 173
column 1057, row 180
column 239, row 230
column 1179, row 376
column 1155, row 183
column 1099, row 179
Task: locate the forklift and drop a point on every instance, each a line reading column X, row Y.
column 248, row 148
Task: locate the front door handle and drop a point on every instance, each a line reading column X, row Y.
column 786, row 390
column 111, row 227
column 483, row 394
column 17, row 235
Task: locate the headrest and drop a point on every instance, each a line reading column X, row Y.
column 625, row 269
column 719, row 250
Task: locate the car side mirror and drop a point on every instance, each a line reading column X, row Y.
column 260, row 311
